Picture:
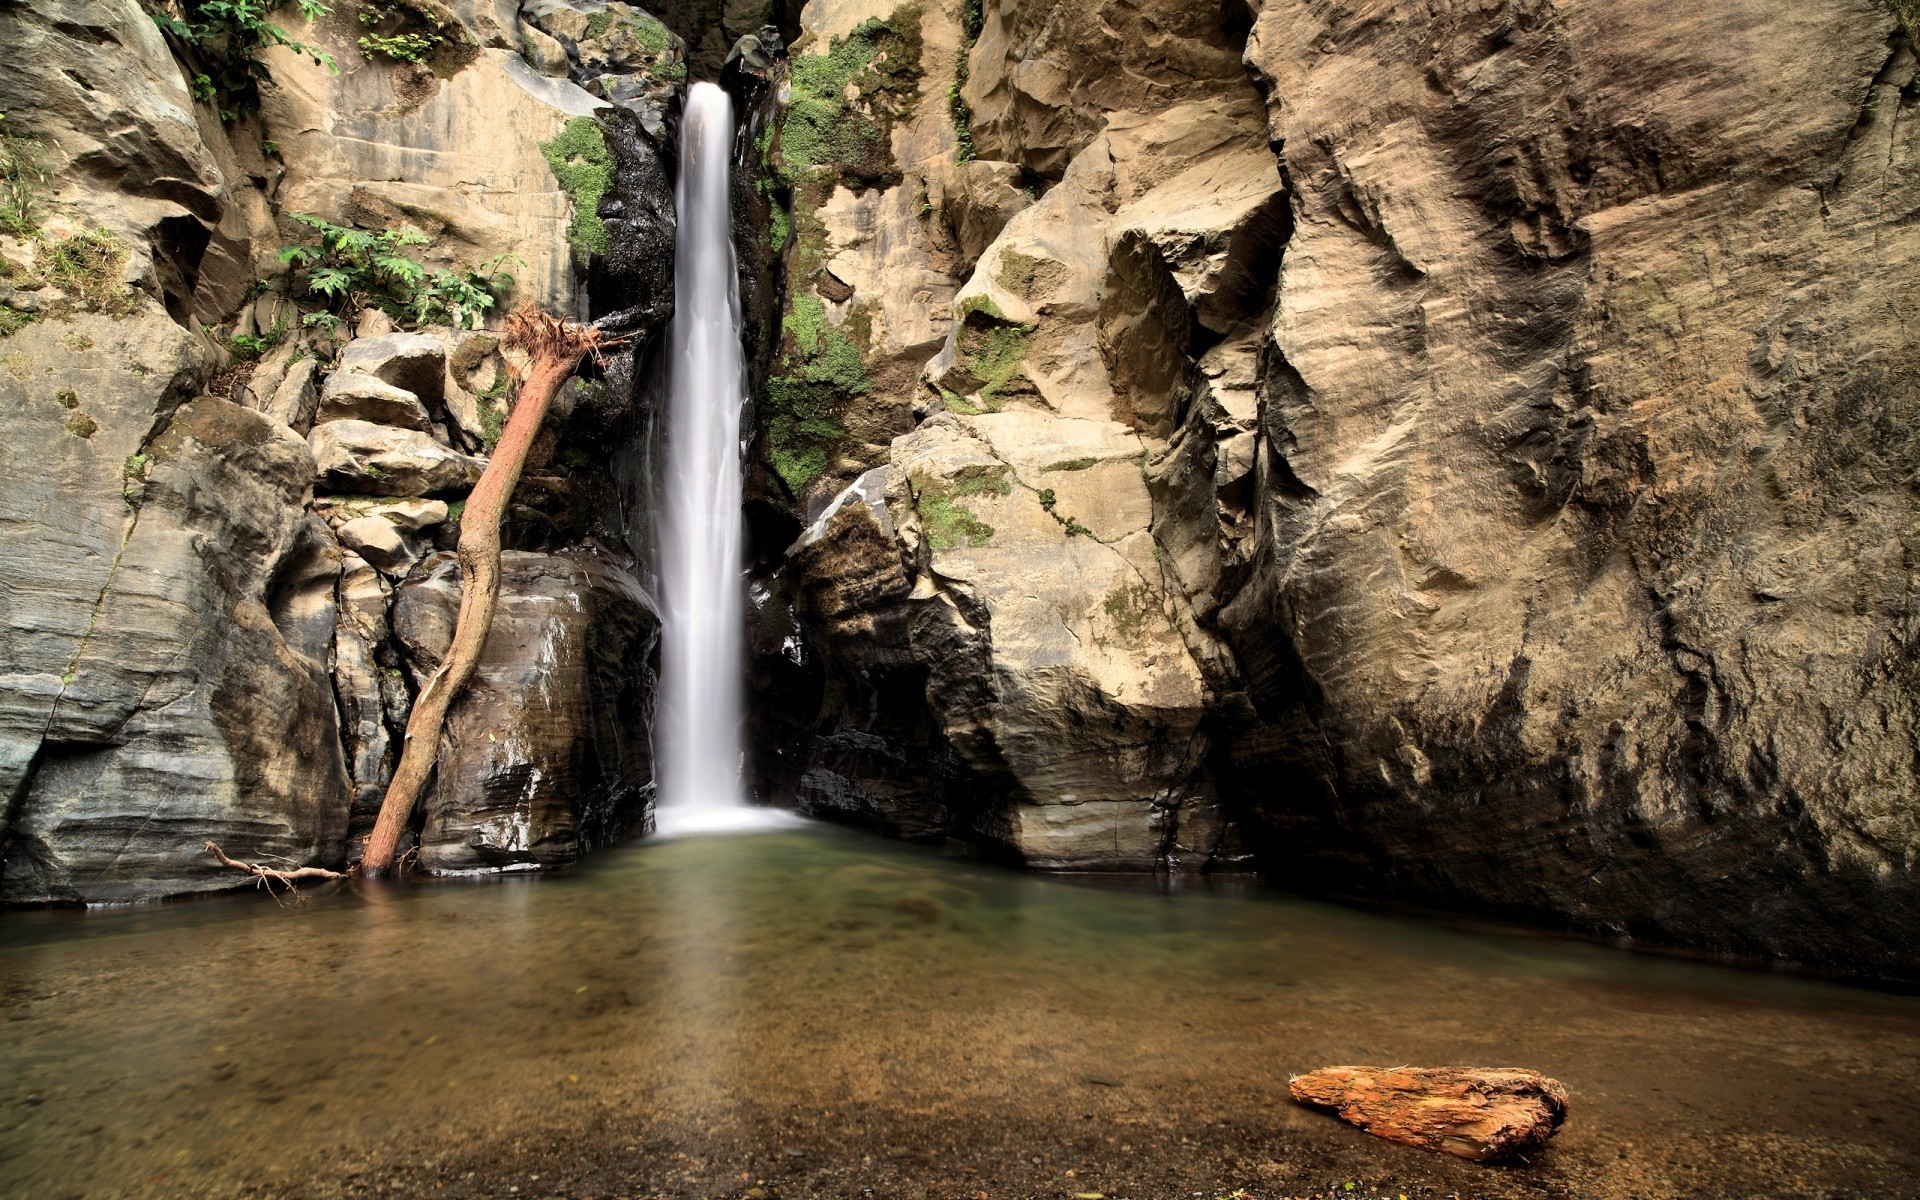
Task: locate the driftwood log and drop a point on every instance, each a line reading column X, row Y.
column 1481, row 1113
column 554, row 348
column 267, row 877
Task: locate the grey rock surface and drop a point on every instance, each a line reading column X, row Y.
column 352, row 396
column 165, row 654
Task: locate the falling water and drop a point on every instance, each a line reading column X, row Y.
column 701, row 564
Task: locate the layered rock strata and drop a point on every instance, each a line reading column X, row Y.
column 1511, row 512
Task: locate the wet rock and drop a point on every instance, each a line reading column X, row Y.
column 165, row 683
column 358, row 456
column 382, row 543
column 353, row 396
column 362, row 660
column 1480, row 1113
column 546, row 753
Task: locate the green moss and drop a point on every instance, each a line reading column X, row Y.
column 77, row 342
column 493, row 422
column 878, row 66
column 598, row 24
column 779, row 229
column 1070, row 464
column 1017, row 272
column 1076, row 529
column 948, row 525
column 984, row 483
column 1047, row 499
column 993, row 355
column 82, row 426
column 1126, row 611
column 580, row 160
column 654, row 37
column 820, row 368
column 68, row 398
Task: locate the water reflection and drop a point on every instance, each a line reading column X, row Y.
column 772, row 984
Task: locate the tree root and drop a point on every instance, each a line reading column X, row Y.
column 267, row 877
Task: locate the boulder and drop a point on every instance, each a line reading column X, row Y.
column 546, row 753
column 165, row 640
column 1481, row 1113
column 382, row 543
column 295, row 399
column 358, row 456
column 352, row 396
column 412, row 516
column 415, row 363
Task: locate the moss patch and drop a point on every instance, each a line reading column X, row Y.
column 948, row 525
column 820, row 368
column 580, row 160
column 843, row 103
column 82, row 426
column 1070, row 464
column 992, row 352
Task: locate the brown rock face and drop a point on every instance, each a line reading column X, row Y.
column 1586, row 528
column 1479, row 1113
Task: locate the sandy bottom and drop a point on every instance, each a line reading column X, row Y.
column 812, row 1013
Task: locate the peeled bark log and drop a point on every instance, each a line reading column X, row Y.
column 555, row 349
column 1481, row 1113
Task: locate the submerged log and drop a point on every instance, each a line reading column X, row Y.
column 1481, row 1113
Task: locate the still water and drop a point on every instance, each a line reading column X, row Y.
column 811, row 1012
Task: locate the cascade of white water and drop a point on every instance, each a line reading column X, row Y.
column 700, row 708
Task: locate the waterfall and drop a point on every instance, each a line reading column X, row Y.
column 700, row 707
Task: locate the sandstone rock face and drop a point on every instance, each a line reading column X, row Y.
column 546, row 754
column 165, row 655
column 1519, row 454
column 1478, row 1113
column 387, row 145
column 1585, row 533
column 351, row 396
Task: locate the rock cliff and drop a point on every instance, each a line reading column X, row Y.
column 1458, row 453
column 223, row 480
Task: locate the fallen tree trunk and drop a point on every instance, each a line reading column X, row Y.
column 554, row 349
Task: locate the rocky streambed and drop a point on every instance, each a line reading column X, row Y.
column 818, row 1013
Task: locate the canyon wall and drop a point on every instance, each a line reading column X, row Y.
column 223, row 513
column 1461, row 454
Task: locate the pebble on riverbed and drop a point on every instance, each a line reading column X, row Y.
column 1481, row 1113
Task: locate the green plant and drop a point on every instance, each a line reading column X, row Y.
column 82, row 426
column 1047, row 499
column 843, row 103
column 820, row 368
column 1070, row 464
column 77, row 342
column 68, row 398
column 397, row 31
column 1076, row 529
column 222, row 41
column 947, row 524
column 580, row 160
column 87, row 267
column 23, row 173
column 353, row 269
column 270, row 148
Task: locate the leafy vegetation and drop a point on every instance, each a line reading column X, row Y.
column 971, row 20
column 844, row 102
column 580, row 160
column 23, row 173
column 1070, row 464
column 221, row 41
column 820, row 368
column 397, row 42
column 991, row 349
column 355, row 269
